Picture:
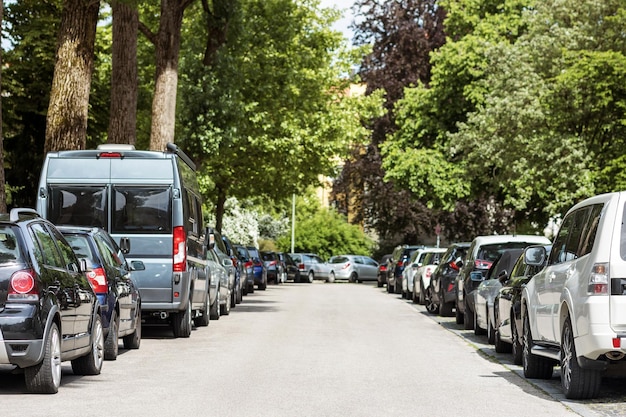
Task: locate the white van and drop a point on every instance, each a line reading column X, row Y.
column 150, row 203
column 574, row 309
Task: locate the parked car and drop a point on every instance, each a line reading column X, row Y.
column 225, row 259
column 507, row 307
column 481, row 254
column 313, row 267
column 291, row 269
column 110, row 276
column 441, row 293
column 273, row 265
column 414, row 263
column 396, row 264
column 238, row 269
column 148, row 199
column 485, row 294
column 573, row 310
column 49, row 312
column 381, row 276
column 354, row 268
column 421, row 278
column 221, row 267
column 247, row 269
column 259, row 271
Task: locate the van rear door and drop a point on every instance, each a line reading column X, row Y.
column 617, row 268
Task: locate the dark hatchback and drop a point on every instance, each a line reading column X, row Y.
column 441, row 292
column 292, row 272
column 273, row 265
column 259, row 271
column 110, row 276
column 49, row 312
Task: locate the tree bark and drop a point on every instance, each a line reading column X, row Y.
column 166, row 78
column 66, row 126
column 3, row 192
column 124, row 78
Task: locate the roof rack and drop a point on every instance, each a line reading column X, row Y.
column 16, row 212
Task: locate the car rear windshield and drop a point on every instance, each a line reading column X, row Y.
column 81, row 247
column 9, row 249
column 269, row 256
column 492, row 252
column 142, row 210
column 338, row 260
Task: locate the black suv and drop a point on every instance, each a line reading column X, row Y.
column 48, row 310
column 395, row 265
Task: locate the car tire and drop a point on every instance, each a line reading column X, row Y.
column 445, row 309
column 491, row 337
column 239, row 295
column 45, row 377
column 311, row 277
column 468, row 319
column 535, row 367
column 225, row 308
column 458, row 315
column 251, row 289
column 478, row 331
column 516, row 346
column 431, row 306
column 422, row 297
column 233, row 298
column 133, row 340
column 91, row 363
column 353, row 277
column 388, row 288
column 331, row 277
column 203, row 320
column 111, row 344
column 379, row 284
column 182, row 322
column 214, row 310
column 577, row 383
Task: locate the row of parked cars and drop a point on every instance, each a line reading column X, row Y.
column 549, row 303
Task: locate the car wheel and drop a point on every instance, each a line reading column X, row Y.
column 214, row 311
column 490, row 331
column 468, row 319
column 445, row 309
column 239, row 295
column 311, row 277
column 233, row 297
column 182, row 322
column 379, row 284
column 577, row 383
column 133, row 340
column 422, row 297
column 535, row 367
column 458, row 315
column 431, row 306
column 388, row 288
column 225, row 308
column 111, row 344
column 45, row 377
column 251, row 289
column 262, row 286
column 331, row 277
column 203, row 320
column 478, row 331
column 516, row 347
column 91, row 363
column 353, row 277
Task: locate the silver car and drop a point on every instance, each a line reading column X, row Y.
column 313, row 267
column 354, row 268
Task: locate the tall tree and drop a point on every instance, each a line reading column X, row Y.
column 124, row 74
column 3, row 193
column 66, row 125
column 167, row 48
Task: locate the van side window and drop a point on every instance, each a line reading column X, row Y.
column 190, row 212
column 78, row 206
column 141, row 209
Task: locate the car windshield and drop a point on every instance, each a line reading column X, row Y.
column 338, row 260
column 9, row 250
column 492, row 252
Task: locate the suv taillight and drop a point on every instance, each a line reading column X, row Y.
column 599, row 279
column 98, row 280
column 22, row 286
column 180, row 250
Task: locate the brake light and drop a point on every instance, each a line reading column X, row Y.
column 454, row 266
column 450, row 287
column 346, row 265
column 383, row 268
column 248, row 264
column 400, row 263
column 272, row 263
column 110, row 155
column 180, row 250
column 599, row 279
column 98, row 280
column 482, row 264
column 300, row 266
column 22, row 286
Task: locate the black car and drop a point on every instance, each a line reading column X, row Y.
column 292, row 272
column 49, row 312
column 396, row 264
column 110, row 276
column 238, row 266
column 507, row 307
column 273, row 265
column 247, row 269
column 381, row 276
column 441, row 292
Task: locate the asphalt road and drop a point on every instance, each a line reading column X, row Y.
column 309, row 350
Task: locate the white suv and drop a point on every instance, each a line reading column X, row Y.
column 574, row 310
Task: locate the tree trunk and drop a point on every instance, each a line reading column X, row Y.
column 66, row 125
column 3, row 192
column 124, row 79
column 167, row 45
column 220, row 207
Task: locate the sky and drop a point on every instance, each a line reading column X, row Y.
column 343, row 23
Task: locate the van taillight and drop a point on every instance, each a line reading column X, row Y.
column 22, row 287
column 110, row 155
column 599, row 279
column 98, row 280
column 180, row 250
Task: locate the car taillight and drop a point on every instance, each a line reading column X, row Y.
column 346, row 265
column 454, row 266
column 450, row 287
column 272, row 263
column 110, row 155
column 429, row 272
column 400, row 263
column 22, row 287
column 482, row 264
column 98, row 280
column 248, row 264
column 180, row 250
column 300, row 266
column 383, row 268
column 599, row 279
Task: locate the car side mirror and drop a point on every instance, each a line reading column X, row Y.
column 535, row 255
column 476, row 276
column 227, row 262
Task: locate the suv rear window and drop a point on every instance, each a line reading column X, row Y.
column 141, row 210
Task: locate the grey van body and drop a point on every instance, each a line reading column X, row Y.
column 149, row 201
